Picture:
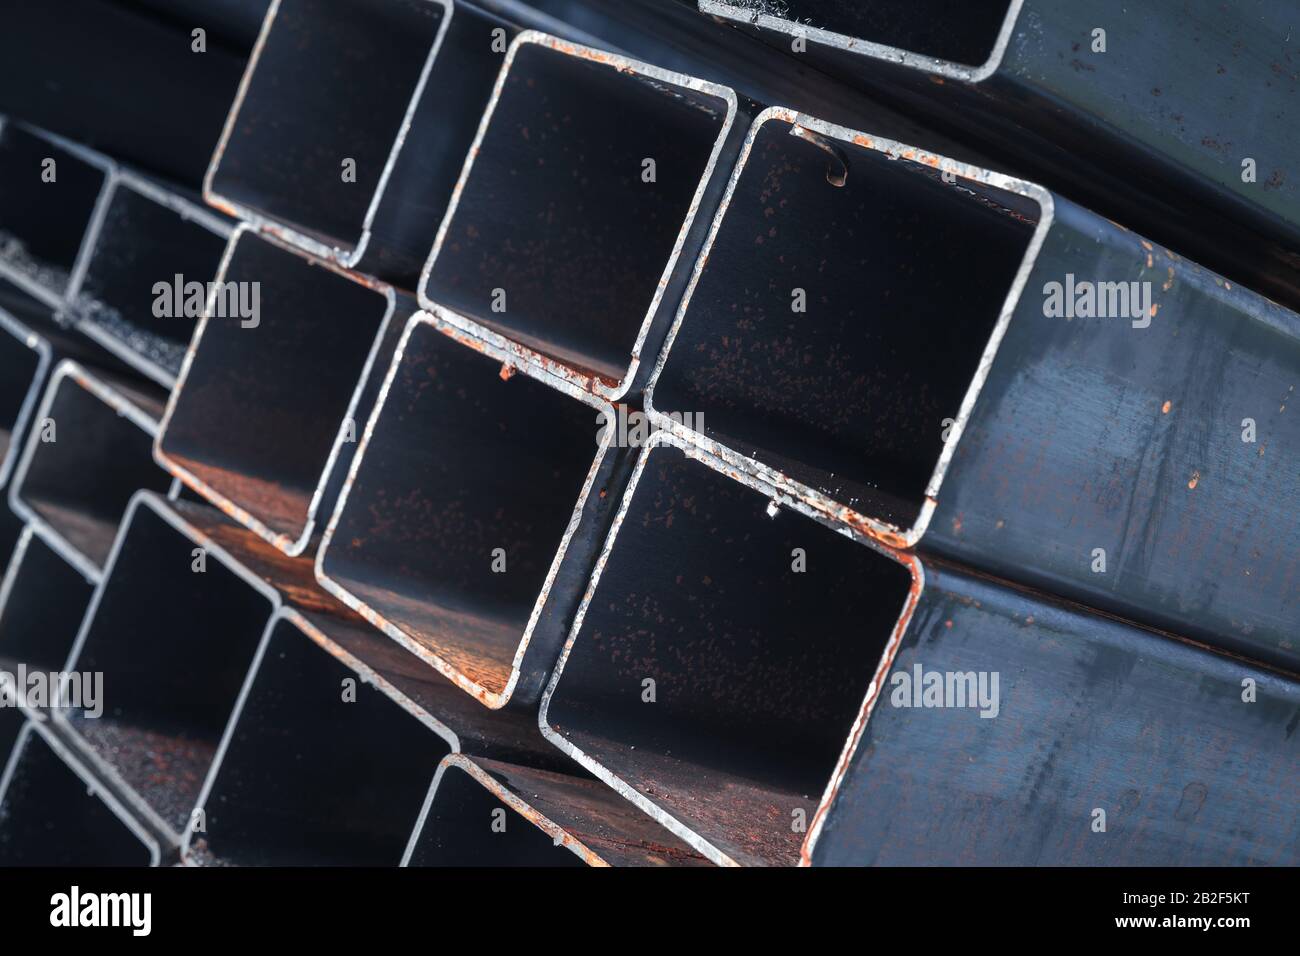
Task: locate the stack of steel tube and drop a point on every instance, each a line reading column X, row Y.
column 579, row 432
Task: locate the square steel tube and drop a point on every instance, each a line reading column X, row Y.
column 48, row 211
column 173, row 627
column 394, row 86
column 87, row 453
column 722, row 657
column 267, row 404
column 1112, row 745
column 147, row 244
column 929, row 393
column 1083, row 712
column 317, row 768
column 580, row 208
column 473, row 511
column 488, row 813
column 54, row 812
column 1139, row 111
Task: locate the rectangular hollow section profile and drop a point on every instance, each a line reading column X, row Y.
column 173, row 627
column 473, row 511
column 1159, row 142
column 25, row 358
column 947, row 358
column 47, row 208
column 842, row 309
column 352, row 123
column 275, row 383
column 580, row 208
column 487, row 813
column 88, row 451
column 1016, row 730
column 53, row 812
column 42, row 601
column 141, row 282
column 722, row 657
column 317, row 767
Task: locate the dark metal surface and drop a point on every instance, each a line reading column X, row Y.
column 32, row 341
column 124, row 79
column 1093, row 715
column 469, row 462
column 316, row 768
column 468, row 822
column 54, row 813
column 144, row 236
column 24, row 362
column 395, row 86
column 42, row 601
column 375, row 658
column 928, row 397
column 77, row 475
column 266, row 406
column 555, row 239
column 757, row 669
column 42, row 223
column 1152, row 132
column 487, row 813
column 763, row 745
column 174, row 644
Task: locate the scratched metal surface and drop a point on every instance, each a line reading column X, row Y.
column 1090, row 433
column 1092, row 714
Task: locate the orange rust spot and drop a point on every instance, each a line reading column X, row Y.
column 507, row 371
column 948, row 624
column 1155, row 307
column 1147, row 246
column 863, row 140
column 1164, row 409
column 1150, row 260
column 1196, row 477
column 1168, row 283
